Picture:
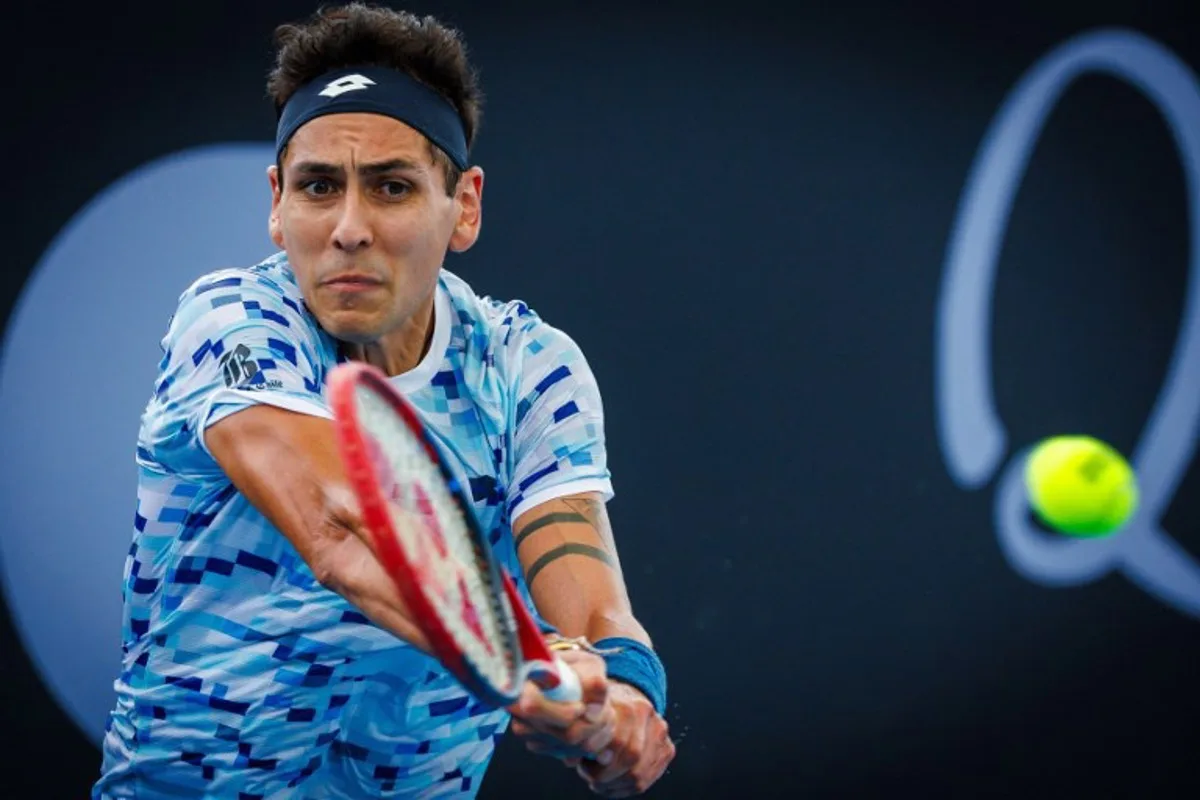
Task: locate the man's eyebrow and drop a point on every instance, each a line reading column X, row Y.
column 367, row 170
column 391, row 165
column 316, row 168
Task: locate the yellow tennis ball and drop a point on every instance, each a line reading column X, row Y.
column 1080, row 486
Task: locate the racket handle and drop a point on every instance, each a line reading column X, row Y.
column 568, row 689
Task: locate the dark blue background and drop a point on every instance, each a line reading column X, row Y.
column 741, row 214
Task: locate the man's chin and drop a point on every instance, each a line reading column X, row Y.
column 351, row 327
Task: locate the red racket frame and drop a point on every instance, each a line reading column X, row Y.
column 525, row 641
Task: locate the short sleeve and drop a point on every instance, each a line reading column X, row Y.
column 235, row 341
column 558, row 433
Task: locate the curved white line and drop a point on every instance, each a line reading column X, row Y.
column 970, row 430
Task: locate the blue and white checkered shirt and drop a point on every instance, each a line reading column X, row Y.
column 242, row 676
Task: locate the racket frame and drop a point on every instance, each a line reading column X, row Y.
column 532, row 657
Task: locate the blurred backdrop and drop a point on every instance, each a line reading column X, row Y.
column 835, row 267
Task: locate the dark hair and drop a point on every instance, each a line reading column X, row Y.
column 360, row 35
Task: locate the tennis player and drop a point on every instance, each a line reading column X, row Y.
column 265, row 654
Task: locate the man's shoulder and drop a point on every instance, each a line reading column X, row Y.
column 270, row 279
column 266, row 290
column 482, row 310
column 508, row 329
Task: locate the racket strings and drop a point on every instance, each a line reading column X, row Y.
column 431, row 528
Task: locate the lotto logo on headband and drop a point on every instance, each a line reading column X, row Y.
column 393, row 93
column 348, row 83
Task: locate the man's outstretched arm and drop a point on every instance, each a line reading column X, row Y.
column 288, row 466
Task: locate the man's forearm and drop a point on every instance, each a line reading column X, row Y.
column 600, row 625
column 287, row 465
column 355, row 574
column 567, row 596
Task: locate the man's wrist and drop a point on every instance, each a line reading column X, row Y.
column 634, row 663
column 627, row 691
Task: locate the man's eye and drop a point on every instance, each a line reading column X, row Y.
column 317, row 187
column 394, row 188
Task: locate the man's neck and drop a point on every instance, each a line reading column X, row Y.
column 400, row 350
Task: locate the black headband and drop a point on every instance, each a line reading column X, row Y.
column 376, row 90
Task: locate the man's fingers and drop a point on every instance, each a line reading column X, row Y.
column 593, row 679
column 658, row 752
column 597, row 742
column 570, row 731
column 544, row 714
column 541, row 714
column 544, row 744
column 592, row 738
column 584, row 737
column 623, row 758
column 534, row 706
column 647, row 774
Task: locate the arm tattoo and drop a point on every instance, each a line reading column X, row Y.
column 593, row 511
column 587, row 508
column 569, row 549
column 549, row 519
column 588, row 512
column 585, row 511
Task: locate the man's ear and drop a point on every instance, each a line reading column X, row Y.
column 468, row 198
column 273, row 224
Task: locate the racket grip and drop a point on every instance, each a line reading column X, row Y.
column 568, row 689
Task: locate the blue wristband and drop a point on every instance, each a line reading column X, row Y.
column 636, row 664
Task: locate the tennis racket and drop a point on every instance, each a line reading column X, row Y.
column 428, row 540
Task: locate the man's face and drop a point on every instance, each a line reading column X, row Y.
column 366, row 221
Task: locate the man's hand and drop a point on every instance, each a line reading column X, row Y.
column 568, row 730
column 637, row 754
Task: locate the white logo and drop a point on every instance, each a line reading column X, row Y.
column 971, row 434
column 346, row 83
